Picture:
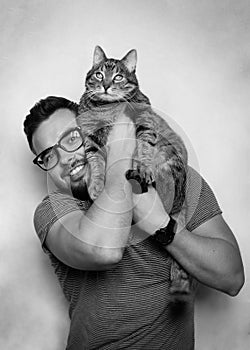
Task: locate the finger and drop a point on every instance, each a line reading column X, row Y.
column 153, row 184
column 151, row 188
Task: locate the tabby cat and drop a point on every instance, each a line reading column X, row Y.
column 160, row 157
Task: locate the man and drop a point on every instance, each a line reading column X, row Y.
column 117, row 278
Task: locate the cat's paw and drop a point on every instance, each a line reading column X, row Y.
column 140, row 179
column 146, row 173
column 95, row 189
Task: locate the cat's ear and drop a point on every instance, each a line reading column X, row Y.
column 130, row 60
column 99, row 56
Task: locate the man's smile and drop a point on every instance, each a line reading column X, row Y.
column 77, row 172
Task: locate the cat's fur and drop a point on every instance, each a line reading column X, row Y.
column 160, row 157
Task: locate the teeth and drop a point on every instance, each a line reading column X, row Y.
column 76, row 170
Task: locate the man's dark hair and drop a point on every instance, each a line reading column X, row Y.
column 42, row 111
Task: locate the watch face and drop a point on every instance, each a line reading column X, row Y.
column 166, row 234
column 162, row 237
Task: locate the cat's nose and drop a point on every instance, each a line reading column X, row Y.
column 106, row 85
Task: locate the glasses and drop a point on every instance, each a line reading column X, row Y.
column 70, row 141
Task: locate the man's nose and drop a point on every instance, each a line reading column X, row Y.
column 66, row 157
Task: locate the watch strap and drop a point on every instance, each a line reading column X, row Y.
column 165, row 235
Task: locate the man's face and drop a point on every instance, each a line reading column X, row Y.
column 71, row 173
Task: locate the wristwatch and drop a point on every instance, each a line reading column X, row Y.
column 165, row 235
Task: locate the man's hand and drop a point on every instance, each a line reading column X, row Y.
column 148, row 211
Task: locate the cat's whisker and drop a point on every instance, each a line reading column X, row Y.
column 89, row 95
column 124, row 99
column 121, row 98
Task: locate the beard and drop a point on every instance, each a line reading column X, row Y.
column 79, row 190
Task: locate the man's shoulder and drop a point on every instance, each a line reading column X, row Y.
column 58, row 199
column 193, row 174
column 55, row 205
column 194, row 183
column 201, row 203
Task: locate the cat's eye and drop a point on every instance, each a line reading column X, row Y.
column 99, row 75
column 118, row 78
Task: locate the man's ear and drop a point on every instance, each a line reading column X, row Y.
column 130, row 60
column 99, row 56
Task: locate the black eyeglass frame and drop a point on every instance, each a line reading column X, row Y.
column 58, row 145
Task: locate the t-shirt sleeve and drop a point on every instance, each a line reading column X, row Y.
column 205, row 206
column 51, row 209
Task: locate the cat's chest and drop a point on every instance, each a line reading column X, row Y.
column 102, row 116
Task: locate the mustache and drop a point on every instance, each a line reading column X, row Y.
column 74, row 163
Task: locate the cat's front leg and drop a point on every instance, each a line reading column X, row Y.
column 143, row 159
column 143, row 167
column 96, row 160
column 97, row 182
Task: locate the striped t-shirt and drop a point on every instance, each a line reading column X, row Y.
column 129, row 306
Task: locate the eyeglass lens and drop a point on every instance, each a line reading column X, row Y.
column 69, row 143
column 50, row 158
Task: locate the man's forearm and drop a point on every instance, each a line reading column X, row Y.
column 107, row 223
column 213, row 261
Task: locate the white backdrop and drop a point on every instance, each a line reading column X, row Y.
column 193, row 64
